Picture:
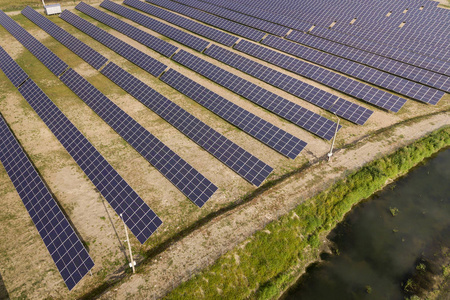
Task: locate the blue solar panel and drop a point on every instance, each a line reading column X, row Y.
column 274, row 137
column 272, row 102
column 289, row 84
column 244, row 31
column 56, row 65
column 173, row 167
column 339, row 82
column 233, row 156
column 203, row 30
column 91, row 56
column 382, row 79
column 134, row 55
column 175, row 34
column 12, row 70
column 67, row 251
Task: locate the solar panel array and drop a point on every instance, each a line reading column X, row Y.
column 91, row 56
column 141, row 220
column 203, row 30
column 343, row 108
column 134, row 55
column 55, row 65
column 198, row 188
column 260, row 129
column 242, row 162
column 402, row 86
column 336, row 81
column 241, row 30
column 413, row 73
column 270, row 101
column 173, row 33
column 70, row 256
column 12, row 70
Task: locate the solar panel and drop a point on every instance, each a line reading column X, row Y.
column 236, row 158
column 241, row 30
column 274, row 137
column 175, row 34
column 141, row 220
column 173, row 167
column 55, row 65
column 134, row 55
column 399, row 85
column 12, row 70
column 336, row 81
column 88, row 54
column 272, row 102
column 70, row 256
column 203, row 30
column 285, row 82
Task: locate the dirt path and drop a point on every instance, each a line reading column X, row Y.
column 204, row 246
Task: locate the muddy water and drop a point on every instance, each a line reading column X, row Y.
column 376, row 252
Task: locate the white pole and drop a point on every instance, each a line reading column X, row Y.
column 132, row 263
column 334, row 138
column 43, row 3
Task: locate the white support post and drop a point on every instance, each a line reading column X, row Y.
column 132, row 262
column 334, row 138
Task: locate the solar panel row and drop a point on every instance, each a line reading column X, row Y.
column 12, row 70
column 244, row 31
column 272, row 102
column 287, row 145
column 141, row 220
column 336, row 81
column 402, row 86
column 92, row 57
column 173, row 33
column 242, row 162
column 55, row 65
column 134, row 55
column 70, row 256
column 203, row 30
column 348, row 110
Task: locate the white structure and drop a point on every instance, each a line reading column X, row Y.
column 52, row 9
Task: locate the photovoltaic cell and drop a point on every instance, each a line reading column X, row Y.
column 359, row 115
column 55, row 65
column 67, row 251
column 233, row 156
column 137, row 57
column 175, row 34
column 12, row 70
column 260, row 129
column 198, row 189
column 88, row 54
column 270, row 101
column 203, row 30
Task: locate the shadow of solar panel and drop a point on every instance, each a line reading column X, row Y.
column 173, row 167
column 134, row 55
column 283, row 81
column 237, row 17
column 70, row 256
column 175, row 34
column 53, row 63
column 142, row 220
column 274, row 137
column 382, row 79
column 233, row 156
column 12, row 70
column 334, row 80
column 272, row 102
column 147, row 39
column 206, row 31
column 92, row 57
column 241, row 30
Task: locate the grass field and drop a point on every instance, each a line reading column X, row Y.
column 25, row 266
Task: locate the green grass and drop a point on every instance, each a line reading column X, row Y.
column 269, row 262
